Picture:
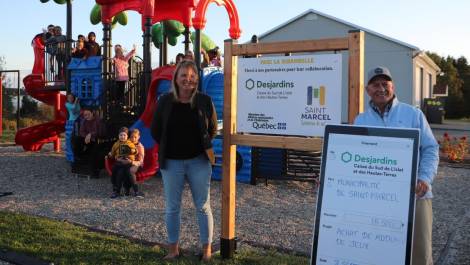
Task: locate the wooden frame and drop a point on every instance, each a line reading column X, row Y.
column 354, row 43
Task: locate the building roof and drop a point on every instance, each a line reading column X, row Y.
column 429, row 61
column 340, row 21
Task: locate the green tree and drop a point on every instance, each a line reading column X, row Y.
column 7, row 96
column 464, row 73
column 29, row 107
column 454, row 105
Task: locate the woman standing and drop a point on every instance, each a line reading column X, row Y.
column 184, row 124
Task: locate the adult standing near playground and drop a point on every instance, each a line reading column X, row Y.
column 385, row 110
column 85, row 147
column 57, row 44
column 121, row 63
column 184, row 125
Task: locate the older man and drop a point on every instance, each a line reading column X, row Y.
column 385, row 110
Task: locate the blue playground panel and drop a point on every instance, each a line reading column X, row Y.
column 213, row 85
column 68, row 140
column 86, row 80
column 163, row 87
column 243, row 158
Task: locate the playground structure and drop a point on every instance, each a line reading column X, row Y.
column 93, row 89
column 34, row 137
column 150, row 83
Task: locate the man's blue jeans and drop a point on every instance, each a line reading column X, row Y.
column 198, row 173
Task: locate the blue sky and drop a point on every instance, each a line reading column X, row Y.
column 434, row 25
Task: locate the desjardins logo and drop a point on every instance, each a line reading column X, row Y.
column 250, row 84
column 346, row 157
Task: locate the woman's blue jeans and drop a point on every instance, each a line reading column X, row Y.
column 197, row 171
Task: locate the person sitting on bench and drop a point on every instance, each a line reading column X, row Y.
column 85, row 146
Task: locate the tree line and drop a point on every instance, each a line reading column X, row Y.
column 456, row 76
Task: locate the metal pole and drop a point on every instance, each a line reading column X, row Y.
column 147, row 52
column 165, row 50
column 106, row 65
column 160, row 55
column 187, row 40
column 197, row 55
column 68, row 44
column 18, row 102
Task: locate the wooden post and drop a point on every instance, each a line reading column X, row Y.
column 356, row 74
column 227, row 240
column 354, row 43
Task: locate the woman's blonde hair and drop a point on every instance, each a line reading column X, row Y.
column 185, row 64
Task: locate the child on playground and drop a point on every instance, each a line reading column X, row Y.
column 124, row 152
column 138, row 163
column 72, row 106
column 121, row 63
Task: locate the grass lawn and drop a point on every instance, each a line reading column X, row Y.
column 64, row 243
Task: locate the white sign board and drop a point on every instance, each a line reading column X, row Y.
column 365, row 205
column 289, row 95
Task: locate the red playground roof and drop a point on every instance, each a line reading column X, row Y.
column 181, row 10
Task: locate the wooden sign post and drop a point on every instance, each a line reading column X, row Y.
column 354, row 43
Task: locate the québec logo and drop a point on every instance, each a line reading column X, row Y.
column 269, row 126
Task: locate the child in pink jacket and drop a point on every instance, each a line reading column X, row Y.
column 120, row 68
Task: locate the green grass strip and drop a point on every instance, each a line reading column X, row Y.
column 65, row 243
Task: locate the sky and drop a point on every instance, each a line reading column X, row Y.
column 431, row 25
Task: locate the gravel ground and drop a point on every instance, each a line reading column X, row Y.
column 279, row 215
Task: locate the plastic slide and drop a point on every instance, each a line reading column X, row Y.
column 34, row 137
column 160, row 81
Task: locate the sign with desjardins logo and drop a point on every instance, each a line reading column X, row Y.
column 366, row 198
column 289, row 95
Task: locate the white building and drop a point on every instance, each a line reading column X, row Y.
column 414, row 73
